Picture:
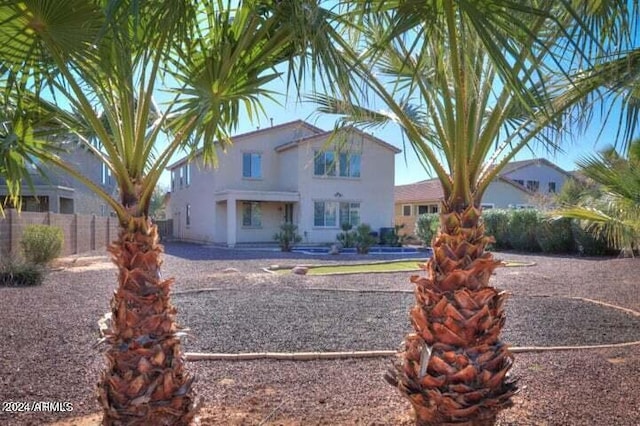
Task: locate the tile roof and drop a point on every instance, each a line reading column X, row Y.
column 429, row 189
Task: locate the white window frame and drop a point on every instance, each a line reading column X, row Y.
column 255, row 214
column 327, row 165
column 351, row 208
column 252, row 155
column 533, row 185
column 404, row 213
column 336, row 205
column 187, row 174
column 346, row 167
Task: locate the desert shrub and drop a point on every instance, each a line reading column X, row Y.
column 496, row 224
column 393, row 237
column 19, row 274
column 427, row 227
column 555, row 236
column 41, row 243
column 364, row 238
column 523, row 226
column 288, row 236
column 346, row 238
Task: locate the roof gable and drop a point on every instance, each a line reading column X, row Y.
column 326, row 134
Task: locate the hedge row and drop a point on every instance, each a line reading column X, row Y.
column 527, row 230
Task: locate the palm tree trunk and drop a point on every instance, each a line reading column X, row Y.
column 454, row 368
column 144, row 382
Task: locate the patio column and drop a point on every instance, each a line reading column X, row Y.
column 231, row 222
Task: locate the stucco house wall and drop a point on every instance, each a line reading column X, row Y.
column 215, row 199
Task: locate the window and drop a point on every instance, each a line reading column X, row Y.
column 349, row 165
column 552, row 187
column 329, row 214
column 105, row 177
column 350, row 213
column 423, row 209
column 324, row 163
column 520, row 181
column 406, row 210
column 433, row 208
column 325, row 214
column 533, row 185
column 173, row 180
column 487, row 206
column 251, row 215
column 187, row 174
column 181, row 171
column 252, row 165
column 188, row 215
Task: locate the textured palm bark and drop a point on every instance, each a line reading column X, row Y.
column 145, row 382
column 453, row 369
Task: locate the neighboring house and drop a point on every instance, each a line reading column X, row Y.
column 58, row 192
column 515, row 187
column 293, row 172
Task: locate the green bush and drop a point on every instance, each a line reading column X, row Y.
column 555, row 236
column 288, row 236
column 586, row 243
column 496, row 224
column 18, row 274
column 364, row 238
column 41, row 243
column 346, row 238
column 523, row 227
column 393, row 238
column 427, row 227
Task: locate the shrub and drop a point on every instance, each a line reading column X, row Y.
column 364, row 238
column 393, row 238
column 496, row 224
column 288, row 236
column 41, row 243
column 427, row 227
column 587, row 243
column 555, row 236
column 20, row 274
column 523, row 227
column 347, row 237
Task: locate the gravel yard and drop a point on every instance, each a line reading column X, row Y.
column 48, row 333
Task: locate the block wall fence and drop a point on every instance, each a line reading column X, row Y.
column 82, row 233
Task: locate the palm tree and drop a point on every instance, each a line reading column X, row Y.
column 91, row 68
column 469, row 92
column 615, row 212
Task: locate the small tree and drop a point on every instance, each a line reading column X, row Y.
column 288, row 236
column 363, row 238
column 394, row 238
column 427, row 227
column 347, row 237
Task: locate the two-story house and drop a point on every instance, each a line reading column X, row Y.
column 293, row 172
column 517, row 184
column 58, row 192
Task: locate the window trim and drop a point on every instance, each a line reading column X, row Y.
column 259, row 155
column 257, row 212
column 410, row 210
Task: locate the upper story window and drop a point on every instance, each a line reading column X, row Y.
column 324, row 163
column 105, row 177
column 552, row 187
column 519, row 181
column 181, row 179
column 252, row 165
column 349, row 165
column 533, row 185
column 344, row 164
column 187, row 174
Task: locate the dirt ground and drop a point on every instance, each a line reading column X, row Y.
column 48, row 335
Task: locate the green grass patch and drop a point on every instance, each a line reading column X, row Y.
column 369, row 268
